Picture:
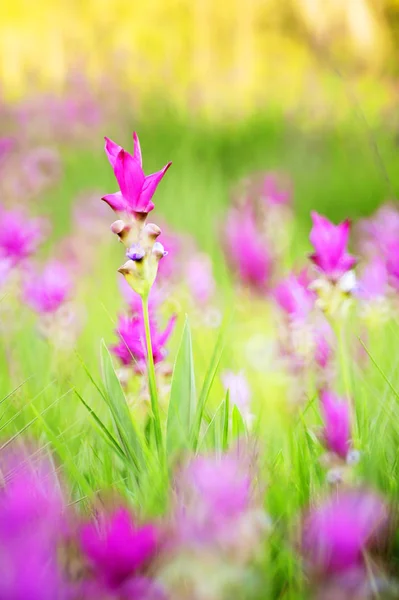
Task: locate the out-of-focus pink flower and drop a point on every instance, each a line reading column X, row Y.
column 324, row 342
column 31, row 526
column 136, row 189
column 213, row 493
column 294, row 297
column 275, row 191
column 330, row 243
column 46, row 292
column 373, row 282
column 337, row 533
column 132, row 348
column 20, row 236
column 117, row 549
column 200, row 278
column 41, row 168
column 246, row 250
column 379, row 231
column 239, row 391
column 7, row 144
column 169, row 267
column 337, row 423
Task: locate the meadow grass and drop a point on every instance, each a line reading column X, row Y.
column 67, row 400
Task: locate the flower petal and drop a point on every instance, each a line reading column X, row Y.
column 115, row 201
column 137, row 149
column 130, row 177
column 150, row 185
column 112, row 150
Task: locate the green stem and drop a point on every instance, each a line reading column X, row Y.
column 152, row 380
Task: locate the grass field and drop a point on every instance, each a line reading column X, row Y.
column 66, row 399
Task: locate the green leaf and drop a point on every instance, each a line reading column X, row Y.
column 225, row 421
column 238, row 424
column 182, row 400
column 129, row 439
column 206, row 388
column 109, row 438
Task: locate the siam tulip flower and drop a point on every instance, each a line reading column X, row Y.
column 337, row 423
column 132, row 348
column 7, row 145
column 276, row 191
column 19, row 235
column 294, row 296
column 216, row 503
column 373, row 283
column 200, row 278
column 246, row 250
column 118, row 550
column 239, row 392
column 337, row 534
column 45, row 293
column 330, row 244
column 136, row 189
column 31, row 526
column 377, row 233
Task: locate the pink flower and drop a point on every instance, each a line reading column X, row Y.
column 336, row 534
column 136, row 189
column 19, row 235
column 373, row 282
column 246, row 250
column 7, row 144
column 200, row 278
column 239, row 390
column 274, row 191
column 337, row 423
column 213, row 493
column 330, row 243
column 294, row 297
column 132, row 346
column 45, row 293
column 117, row 549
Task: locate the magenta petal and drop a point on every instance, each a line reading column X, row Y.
column 115, row 201
column 150, row 185
column 130, row 177
column 337, row 426
column 112, row 150
column 137, row 149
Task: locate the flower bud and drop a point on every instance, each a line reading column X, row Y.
column 121, row 229
column 135, row 252
column 158, row 250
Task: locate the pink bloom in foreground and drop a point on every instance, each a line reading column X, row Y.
column 136, row 189
column 46, row 292
column 246, row 250
column 337, row 425
column 117, row 549
column 19, row 235
column 373, row 282
column 330, row 244
column 213, row 493
column 132, row 348
column 337, row 533
column 200, row 278
column 294, row 297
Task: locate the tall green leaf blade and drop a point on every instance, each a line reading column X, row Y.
column 206, row 388
column 182, row 402
column 115, row 398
